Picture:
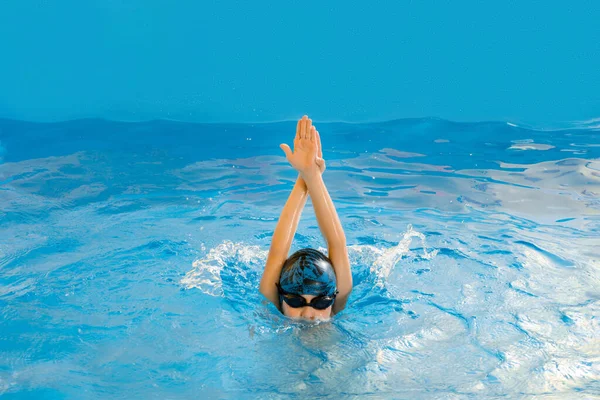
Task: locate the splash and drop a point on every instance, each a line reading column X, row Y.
column 384, row 265
column 206, row 274
column 238, row 259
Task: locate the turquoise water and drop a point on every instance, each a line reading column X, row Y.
column 130, row 256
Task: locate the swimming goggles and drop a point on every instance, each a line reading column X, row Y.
column 297, row 301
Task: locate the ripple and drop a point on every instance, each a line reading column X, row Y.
column 130, row 261
column 544, row 256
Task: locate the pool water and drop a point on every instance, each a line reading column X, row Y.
column 130, row 257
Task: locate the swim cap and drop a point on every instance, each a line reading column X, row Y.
column 308, row 271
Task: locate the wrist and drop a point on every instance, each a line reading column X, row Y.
column 301, row 184
column 310, row 176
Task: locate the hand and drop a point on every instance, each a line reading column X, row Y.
column 308, row 154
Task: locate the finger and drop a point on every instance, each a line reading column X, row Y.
column 313, row 134
column 304, row 124
column 302, row 127
column 319, row 149
column 286, row 149
column 298, row 129
column 308, row 128
column 321, row 164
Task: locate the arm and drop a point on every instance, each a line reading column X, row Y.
column 282, row 241
column 307, row 159
column 332, row 230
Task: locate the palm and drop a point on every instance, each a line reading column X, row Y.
column 305, row 154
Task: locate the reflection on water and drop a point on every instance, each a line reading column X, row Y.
column 134, row 266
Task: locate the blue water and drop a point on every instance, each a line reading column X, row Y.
column 130, row 256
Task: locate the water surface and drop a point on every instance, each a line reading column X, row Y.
column 130, row 256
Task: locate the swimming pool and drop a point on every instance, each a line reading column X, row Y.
column 130, row 256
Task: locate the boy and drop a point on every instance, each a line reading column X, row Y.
column 307, row 285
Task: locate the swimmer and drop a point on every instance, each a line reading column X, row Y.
column 308, row 284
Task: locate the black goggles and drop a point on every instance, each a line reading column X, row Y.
column 297, row 301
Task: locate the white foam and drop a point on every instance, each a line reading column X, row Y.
column 206, row 272
column 386, row 262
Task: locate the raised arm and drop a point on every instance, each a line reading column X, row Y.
column 282, row 240
column 327, row 216
column 332, row 230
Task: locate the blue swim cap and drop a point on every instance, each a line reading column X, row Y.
column 310, row 272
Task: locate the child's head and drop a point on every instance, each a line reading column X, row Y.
column 307, row 286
